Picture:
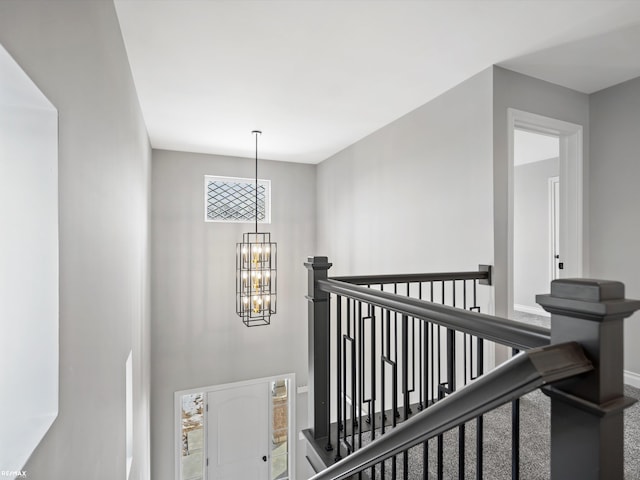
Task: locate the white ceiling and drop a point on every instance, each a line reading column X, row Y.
column 318, row 75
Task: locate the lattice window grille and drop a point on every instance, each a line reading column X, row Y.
column 233, row 200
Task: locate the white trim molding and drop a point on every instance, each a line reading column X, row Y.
column 571, row 189
column 532, row 310
column 232, row 202
column 632, row 378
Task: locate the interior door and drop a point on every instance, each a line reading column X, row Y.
column 238, row 433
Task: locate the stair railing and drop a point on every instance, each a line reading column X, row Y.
column 518, row 376
column 584, row 311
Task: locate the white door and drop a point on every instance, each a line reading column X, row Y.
column 238, row 433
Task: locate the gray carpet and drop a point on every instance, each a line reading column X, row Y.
column 534, row 452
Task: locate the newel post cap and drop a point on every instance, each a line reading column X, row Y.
column 318, row 269
column 318, row 263
column 588, row 298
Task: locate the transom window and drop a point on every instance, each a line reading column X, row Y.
column 230, row 199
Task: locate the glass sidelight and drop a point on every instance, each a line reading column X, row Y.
column 279, row 429
column 192, row 437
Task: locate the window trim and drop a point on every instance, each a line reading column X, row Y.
column 267, row 200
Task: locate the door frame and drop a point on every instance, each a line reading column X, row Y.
column 570, row 137
column 554, row 223
column 291, row 416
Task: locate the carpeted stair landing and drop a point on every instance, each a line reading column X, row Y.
column 534, row 441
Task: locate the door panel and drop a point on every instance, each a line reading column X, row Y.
column 238, row 424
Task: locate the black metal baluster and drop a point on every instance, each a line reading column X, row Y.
column 405, row 384
column 329, row 447
column 480, row 420
column 346, row 339
column 433, row 384
column 344, row 379
column 395, row 327
column 385, row 335
column 421, row 358
column 424, row 386
column 372, row 359
column 412, row 388
column 425, row 460
column 440, row 397
column 515, row 435
column 451, row 353
column 351, row 334
column 462, row 429
column 360, row 373
column 354, row 375
column 464, row 294
column 425, row 445
column 405, row 465
column 394, row 414
column 461, row 444
column 453, row 288
column 405, row 366
column 353, row 394
column 465, row 337
column 382, row 350
column 440, row 446
column 479, row 372
column 372, row 403
column 394, row 406
column 464, row 306
column 471, row 358
column 358, row 400
column 475, row 307
column 339, row 393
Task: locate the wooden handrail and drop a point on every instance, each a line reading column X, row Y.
column 518, row 376
column 415, row 277
column 500, row 330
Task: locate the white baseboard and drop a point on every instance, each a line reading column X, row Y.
column 632, row 378
column 532, row 310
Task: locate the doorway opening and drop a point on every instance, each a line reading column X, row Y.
column 545, row 209
column 239, row 430
column 535, row 163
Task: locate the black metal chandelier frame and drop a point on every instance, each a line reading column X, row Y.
column 256, row 270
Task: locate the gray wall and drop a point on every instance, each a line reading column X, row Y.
column 28, row 266
column 197, row 338
column 513, row 90
column 615, row 197
column 531, row 253
column 415, row 196
column 74, row 52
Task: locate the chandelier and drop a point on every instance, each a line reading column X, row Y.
column 256, row 260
